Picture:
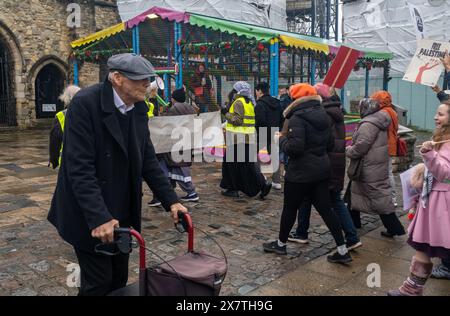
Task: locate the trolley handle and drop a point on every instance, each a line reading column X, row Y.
column 122, row 243
column 185, row 225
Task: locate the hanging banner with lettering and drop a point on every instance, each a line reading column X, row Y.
column 425, row 67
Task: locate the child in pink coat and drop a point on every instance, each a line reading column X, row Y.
column 429, row 232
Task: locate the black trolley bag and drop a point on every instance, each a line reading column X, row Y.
column 191, row 274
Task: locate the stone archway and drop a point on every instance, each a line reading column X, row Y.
column 10, row 49
column 7, row 99
column 7, row 87
column 49, row 85
column 47, row 79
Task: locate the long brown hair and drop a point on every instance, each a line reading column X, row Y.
column 442, row 133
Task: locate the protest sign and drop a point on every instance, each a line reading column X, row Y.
column 342, row 67
column 425, row 67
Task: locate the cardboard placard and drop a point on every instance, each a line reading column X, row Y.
column 425, row 67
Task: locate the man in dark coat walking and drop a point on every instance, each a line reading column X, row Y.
column 269, row 118
column 107, row 152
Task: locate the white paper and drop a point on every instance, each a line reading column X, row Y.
column 409, row 193
column 48, row 107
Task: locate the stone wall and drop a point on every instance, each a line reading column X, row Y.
column 106, row 14
column 36, row 33
column 89, row 74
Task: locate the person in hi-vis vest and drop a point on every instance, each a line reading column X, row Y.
column 152, row 91
column 239, row 170
column 57, row 131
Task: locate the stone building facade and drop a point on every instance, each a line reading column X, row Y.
column 34, row 54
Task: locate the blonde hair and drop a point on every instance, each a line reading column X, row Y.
column 68, row 94
column 443, row 133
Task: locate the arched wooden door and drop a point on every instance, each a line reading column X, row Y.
column 48, row 86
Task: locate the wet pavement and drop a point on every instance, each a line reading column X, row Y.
column 34, row 260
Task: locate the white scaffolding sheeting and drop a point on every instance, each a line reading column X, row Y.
column 387, row 25
column 269, row 13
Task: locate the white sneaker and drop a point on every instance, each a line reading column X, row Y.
column 354, row 246
column 276, row 186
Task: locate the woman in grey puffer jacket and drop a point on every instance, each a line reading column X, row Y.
column 371, row 193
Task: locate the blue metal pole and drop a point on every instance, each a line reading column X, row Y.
column 75, row 72
column 166, row 76
column 166, row 88
column 180, row 58
column 136, row 43
column 276, row 68
column 386, row 77
column 272, row 70
column 138, row 40
column 343, row 97
column 366, row 94
column 133, row 33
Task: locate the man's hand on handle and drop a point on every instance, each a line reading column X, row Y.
column 175, row 208
column 105, row 232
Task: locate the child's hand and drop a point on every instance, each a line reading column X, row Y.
column 426, row 147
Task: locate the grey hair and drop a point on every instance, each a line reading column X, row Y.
column 110, row 77
column 68, row 94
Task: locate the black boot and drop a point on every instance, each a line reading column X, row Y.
column 231, row 193
column 265, row 190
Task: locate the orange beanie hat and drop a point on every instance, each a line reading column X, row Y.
column 383, row 97
column 300, row 90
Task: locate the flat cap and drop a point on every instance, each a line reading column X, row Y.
column 132, row 66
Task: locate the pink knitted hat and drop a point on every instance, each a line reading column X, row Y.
column 323, row 90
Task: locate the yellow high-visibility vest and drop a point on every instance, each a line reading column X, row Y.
column 61, row 116
column 151, row 109
column 248, row 126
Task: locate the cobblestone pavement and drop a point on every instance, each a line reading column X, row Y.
column 34, row 259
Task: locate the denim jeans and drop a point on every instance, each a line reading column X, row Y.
column 304, row 215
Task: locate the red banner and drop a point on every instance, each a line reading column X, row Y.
column 341, row 68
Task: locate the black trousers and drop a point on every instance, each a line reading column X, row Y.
column 390, row 222
column 101, row 274
column 319, row 194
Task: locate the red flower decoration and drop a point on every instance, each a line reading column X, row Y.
column 260, row 47
column 368, row 66
column 87, row 53
column 227, row 45
column 203, row 49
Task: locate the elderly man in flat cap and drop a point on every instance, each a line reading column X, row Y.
column 107, row 152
